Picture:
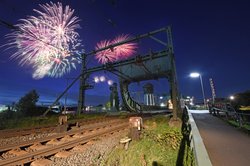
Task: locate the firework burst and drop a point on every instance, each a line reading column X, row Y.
column 125, row 50
column 47, row 42
column 116, row 53
column 107, row 55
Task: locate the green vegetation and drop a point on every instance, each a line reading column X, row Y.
column 26, row 106
column 26, row 114
column 241, row 100
column 245, row 127
column 30, row 122
column 27, row 122
column 159, row 145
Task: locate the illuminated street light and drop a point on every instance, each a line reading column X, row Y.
column 161, row 97
column 102, row 78
column 195, row 75
column 96, row 79
column 110, row 82
column 231, row 97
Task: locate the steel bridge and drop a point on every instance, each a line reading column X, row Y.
column 154, row 65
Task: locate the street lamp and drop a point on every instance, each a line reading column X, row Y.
column 231, row 97
column 195, row 75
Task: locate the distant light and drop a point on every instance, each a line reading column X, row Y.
column 231, row 97
column 194, row 75
column 96, row 79
column 102, row 78
column 161, row 97
column 87, row 108
column 110, row 82
column 207, row 100
column 188, row 97
column 162, row 105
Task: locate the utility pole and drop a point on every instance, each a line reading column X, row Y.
column 173, row 80
column 81, row 99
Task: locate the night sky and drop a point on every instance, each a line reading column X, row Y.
column 210, row 37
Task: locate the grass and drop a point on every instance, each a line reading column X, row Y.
column 30, row 122
column 159, row 146
column 245, row 127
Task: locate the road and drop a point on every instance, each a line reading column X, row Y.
column 226, row 145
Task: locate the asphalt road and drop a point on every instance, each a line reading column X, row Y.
column 226, row 145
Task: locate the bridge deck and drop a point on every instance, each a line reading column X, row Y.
column 225, row 144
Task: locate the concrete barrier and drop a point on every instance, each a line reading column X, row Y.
column 200, row 152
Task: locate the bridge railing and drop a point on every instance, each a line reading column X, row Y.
column 241, row 117
column 196, row 143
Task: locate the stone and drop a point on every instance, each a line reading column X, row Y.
column 125, row 141
column 63, row 154
column 41, row 162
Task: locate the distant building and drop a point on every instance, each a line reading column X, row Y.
column 3, row 108
column 149, row 94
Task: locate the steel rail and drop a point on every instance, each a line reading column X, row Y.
column 7, row 133
column 21, row 132
column 27, row 158
column 58, row 136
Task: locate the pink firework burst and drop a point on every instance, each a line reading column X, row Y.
column 48, row 41
column 107, row 55
column 125, row 50
column 118, row 52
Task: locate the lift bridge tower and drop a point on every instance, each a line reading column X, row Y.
column 154, row 65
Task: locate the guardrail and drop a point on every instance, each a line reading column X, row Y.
column 243, row 118
column 197, row 145
column 238, row 116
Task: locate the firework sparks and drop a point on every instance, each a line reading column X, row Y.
column 125, row 50
column 47, row 42
column 107, row 55
column 117, row 53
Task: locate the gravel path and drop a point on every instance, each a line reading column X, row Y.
column 15, row 140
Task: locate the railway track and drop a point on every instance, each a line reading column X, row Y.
column 7, row 133
column 29, row 151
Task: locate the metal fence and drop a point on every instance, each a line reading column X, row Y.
column 241, row 117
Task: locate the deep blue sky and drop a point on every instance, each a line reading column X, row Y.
column 211, row 37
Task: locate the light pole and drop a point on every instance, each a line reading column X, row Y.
column 195, row 75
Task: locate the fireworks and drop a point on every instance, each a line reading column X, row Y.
column 116, row 53
column 107, row 55
column 48, row 41
column 125, row 50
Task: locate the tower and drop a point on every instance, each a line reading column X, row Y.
column 149, row 94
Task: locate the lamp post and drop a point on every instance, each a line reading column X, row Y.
column 195, row 75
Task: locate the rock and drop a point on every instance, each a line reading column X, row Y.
column 41, row 162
